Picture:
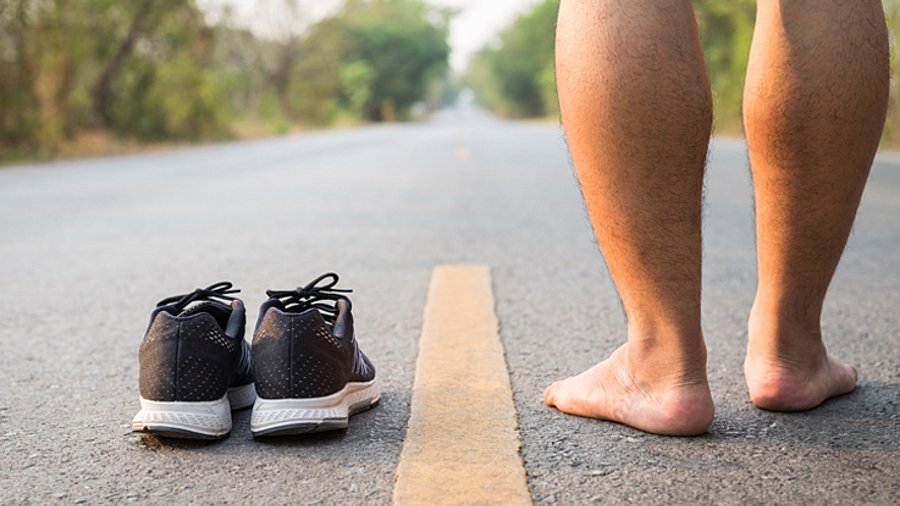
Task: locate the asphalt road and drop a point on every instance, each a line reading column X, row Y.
column 87, row 247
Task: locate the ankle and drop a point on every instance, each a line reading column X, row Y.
column 778, row 336
column 778, row 313
column 667, row 360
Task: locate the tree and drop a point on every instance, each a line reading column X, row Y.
column 516, row 76
column 166, row 70
column 405, row 47
column 726, row 30
column 289, row 23
column 19, row 107
column 142, row 17
column 892, row 128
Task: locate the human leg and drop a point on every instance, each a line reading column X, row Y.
column 814, row 108
column 636, row 108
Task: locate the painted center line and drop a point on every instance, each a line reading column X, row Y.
column 462, row 444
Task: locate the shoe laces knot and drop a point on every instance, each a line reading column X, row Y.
column 320, row 293
column 219, row 292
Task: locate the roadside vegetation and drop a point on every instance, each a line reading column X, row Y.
column 94, row 76
column 107, row 73
column 514, row 76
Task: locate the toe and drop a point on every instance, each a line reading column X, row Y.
column 550, row 394
column 848, row 380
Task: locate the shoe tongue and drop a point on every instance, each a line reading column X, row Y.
column 204, row 306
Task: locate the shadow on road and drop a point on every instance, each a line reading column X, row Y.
column 367, row 428
column 314, row 439
column 865, row 420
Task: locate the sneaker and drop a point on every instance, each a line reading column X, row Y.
column 195, row 365
column 310, row 373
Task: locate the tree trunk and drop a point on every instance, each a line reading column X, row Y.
column 281, row 76
column 102, row 95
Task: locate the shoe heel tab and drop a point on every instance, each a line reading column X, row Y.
column 264, row 311
column 162, row 311
column 343, row 323
column 237, row 322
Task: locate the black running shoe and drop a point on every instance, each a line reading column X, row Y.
column 310, row 373
column 195, row 365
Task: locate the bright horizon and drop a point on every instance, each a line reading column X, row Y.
column 476, row 25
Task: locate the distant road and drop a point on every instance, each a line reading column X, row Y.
column 88, row 246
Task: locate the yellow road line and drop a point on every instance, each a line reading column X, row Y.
column 462, row 444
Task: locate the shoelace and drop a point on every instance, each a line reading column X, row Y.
column 218, row 292
column 320, row 294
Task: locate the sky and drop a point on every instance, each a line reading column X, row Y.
column 476, row 24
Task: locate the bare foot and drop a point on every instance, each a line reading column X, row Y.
column 612, row 391
column 780, row 384
column 787, row 367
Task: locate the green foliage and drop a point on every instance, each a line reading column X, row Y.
column 166, row 114
column 316, row 87
column 19, row 106
column 167, row 89
column 892, row 126
column 403, row 47
column 158, row 85
column 357, row 79
column 159, row 70
column 394, row 49
column 516, row 77
column 726, row 29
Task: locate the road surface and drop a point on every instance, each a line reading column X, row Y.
column 87, row 247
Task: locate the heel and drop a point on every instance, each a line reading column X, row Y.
column 187, row 420
column 281, row 417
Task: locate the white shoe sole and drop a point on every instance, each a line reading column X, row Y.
column 193, row 420
column 281, row 417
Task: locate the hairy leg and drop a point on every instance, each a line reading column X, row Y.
column 814, row 108
column 637, row 112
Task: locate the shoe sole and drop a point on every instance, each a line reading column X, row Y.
column 285, row 417
column 192, row 420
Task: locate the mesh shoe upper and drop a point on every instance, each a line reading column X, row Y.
column 194, row 350
column 304, row 345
